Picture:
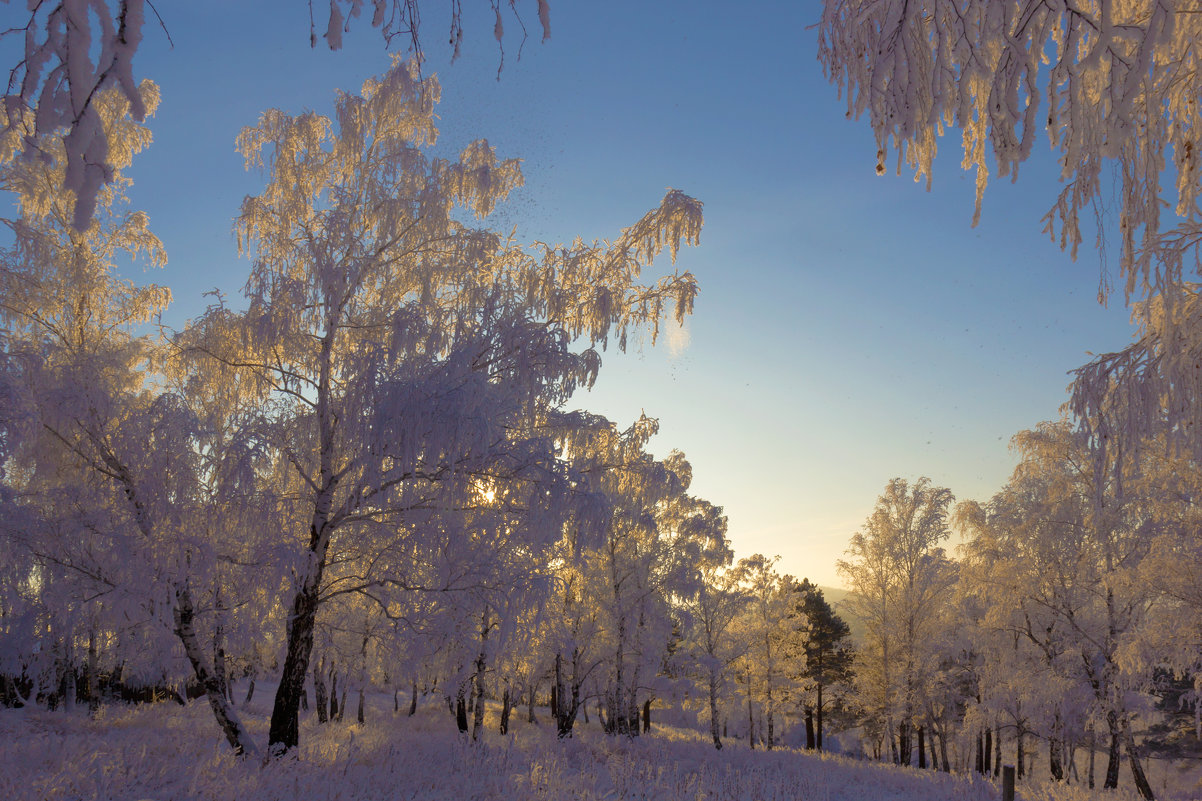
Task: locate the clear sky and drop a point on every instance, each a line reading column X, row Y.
column 850, row 327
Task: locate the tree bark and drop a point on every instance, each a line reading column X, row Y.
column 227, row 718
column 320, row 698
column 818, row 720
column 647, row 715
column 922, row 748
column 713, row 688
column 413, row 699
column 92, row 681
column 1112, row 762
column 334, row 708
column 810, row 741
column 461, row 710
column 506, row 706
column 284, row 731
column 1137, row 771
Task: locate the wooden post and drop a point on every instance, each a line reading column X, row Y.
column 1007, row 783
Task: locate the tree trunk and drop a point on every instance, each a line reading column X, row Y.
column 988, row 752
column 818, row 721
column 227, row 718
column 92, row 681
column 461, row 710
column 1055, row 759
column 1020, row 757
column 981, row 753
column 506, row 706
column 320, row 699
column 1112, row 762
column 563, row 709
column 922, row 748
column 284, row 731
column 413, row 699
column 359, row 712
column 647, row 715
column 530, row 718
column 250, row 691
column 810, row 741
column 334, row 708
column 750, row 720
column 1137, row 771
column 997, row 754
column 713, row 688
column 904, row 744
column 342, row 703
column 70, row 690
column 1092, row 756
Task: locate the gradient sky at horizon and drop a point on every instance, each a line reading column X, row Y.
column 850, row 327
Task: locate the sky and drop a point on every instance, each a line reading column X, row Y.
column 850, row 327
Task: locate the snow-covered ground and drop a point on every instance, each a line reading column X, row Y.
column 167, row 752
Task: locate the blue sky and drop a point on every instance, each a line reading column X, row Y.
column 850, row 327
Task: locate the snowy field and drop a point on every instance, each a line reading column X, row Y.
column 165, row 751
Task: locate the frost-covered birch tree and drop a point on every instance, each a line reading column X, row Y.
column 899, row 576
column 401, row 354
column 109, row 457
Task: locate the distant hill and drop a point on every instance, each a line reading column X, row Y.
column 836, row 597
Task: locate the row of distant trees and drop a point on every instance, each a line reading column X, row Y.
column 1070, row 619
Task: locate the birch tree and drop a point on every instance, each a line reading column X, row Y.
column 899, row 576
column 397, row 347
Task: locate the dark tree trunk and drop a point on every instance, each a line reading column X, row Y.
column 922, row 748
column 810, row 741
column 359, row 712
column 818, row 721
column 506, row 706
column 284, row 731
column 981, row 753
column 713, row 688
column 904, row 743
column 1137, row 771
column 1092, row 757
column 530, row 718
column 1020, row 755
column 320, row 699
column 565, row 698
column 647, row 715
column 413, row 699
column 250, row 692
column 1112, row 763
column 750, row 720
column 461, row 711
column 91, row 681
column 1055, row 759
column 997, row 754
column 334, row 708
column 342, row 703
